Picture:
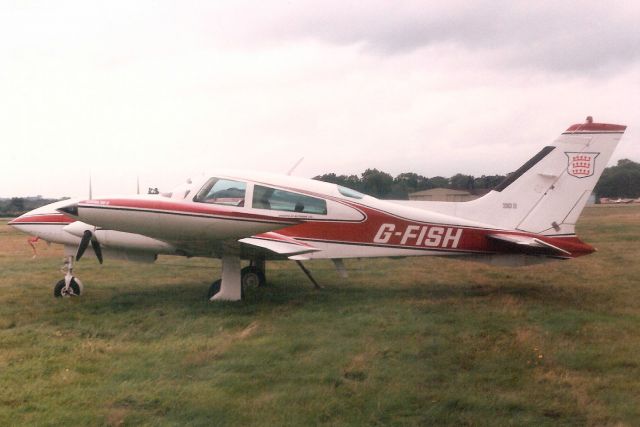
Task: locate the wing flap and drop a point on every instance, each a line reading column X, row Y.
column 279, row 244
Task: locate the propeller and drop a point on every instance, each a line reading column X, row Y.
column 89, row 237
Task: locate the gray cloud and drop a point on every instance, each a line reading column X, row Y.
column 557, row 36
column 569, row 37
column 401, row 86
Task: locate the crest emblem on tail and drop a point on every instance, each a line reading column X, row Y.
column 581, row 165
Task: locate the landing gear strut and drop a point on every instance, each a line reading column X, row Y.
column 231, row 286
column 70, row 286
column 306, row 271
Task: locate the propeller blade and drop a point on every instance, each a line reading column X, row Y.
column 86, row 238
column 89, row 237
column 97, row 249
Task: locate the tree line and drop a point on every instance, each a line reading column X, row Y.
column 16, row 206
column 384, row 186
column 622, row 180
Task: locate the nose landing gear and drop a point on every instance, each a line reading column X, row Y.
column 70, row 286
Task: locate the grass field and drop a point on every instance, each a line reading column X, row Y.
column 401, row 342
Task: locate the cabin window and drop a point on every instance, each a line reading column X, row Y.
column 222, row 192
column 281, row 200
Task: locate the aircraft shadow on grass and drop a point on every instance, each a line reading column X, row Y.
column 336, row 296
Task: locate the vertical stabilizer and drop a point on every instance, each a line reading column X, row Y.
column 547, row 194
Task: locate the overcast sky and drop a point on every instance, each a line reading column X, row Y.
column 167, row 90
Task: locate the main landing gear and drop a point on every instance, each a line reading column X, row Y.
column 232, row 286
column 70, row 286
column 235, row 281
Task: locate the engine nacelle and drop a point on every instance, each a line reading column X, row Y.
column 111, row 239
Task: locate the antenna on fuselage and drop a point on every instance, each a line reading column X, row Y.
column 90, row 189
column 138, row 184
column 295, row 166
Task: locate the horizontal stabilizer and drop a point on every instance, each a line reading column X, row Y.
column 279, row 244
column 525, row 242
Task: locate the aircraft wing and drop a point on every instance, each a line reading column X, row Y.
column 279, row 244
column 529, row 244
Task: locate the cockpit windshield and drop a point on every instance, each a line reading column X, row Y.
column 223, row 192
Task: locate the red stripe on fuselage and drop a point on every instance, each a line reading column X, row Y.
column 383, row 229
column 379, row 228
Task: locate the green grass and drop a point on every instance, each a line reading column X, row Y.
column 401, row 342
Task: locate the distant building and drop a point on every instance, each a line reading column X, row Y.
column 443, row 195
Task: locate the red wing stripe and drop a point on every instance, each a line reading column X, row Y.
column 270, row 235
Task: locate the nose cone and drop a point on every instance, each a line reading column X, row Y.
column 23, row 222
column 43, row 220
column 15, row 221
column 71, row 210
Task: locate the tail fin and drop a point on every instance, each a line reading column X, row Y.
column 547, row 194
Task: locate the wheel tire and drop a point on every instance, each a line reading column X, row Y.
column 214, row 288
column 252, row 277
column 58, row 289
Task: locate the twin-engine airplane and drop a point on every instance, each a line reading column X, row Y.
column 528, row 218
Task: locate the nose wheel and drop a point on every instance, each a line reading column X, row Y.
column 70, row 286
column 73, row 289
